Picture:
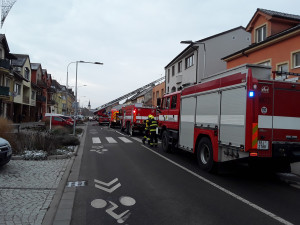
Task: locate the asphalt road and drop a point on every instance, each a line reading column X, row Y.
column 128, row 183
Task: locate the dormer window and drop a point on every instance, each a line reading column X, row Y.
column 261, row 33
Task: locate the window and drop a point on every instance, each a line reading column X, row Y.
column 266, row 63
column 173, row 89
column 157, row 94
column 57, row 119
column 18, row 88
column 296, row 59
column 168, row 103
column 189, row 61
column 27, row 73
column 162, row 92
column 261, row 33
column 174, row 101
column 32, row 95
column 179, row 66
column 173, row 71
column 7, row 82
column 283, row 67
column 168, row 90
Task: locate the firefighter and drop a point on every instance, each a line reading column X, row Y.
column 147, row 131
column 153, row 136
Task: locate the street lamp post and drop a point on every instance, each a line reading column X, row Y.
column 67, row 85
column 76, row 105
column 204, row 56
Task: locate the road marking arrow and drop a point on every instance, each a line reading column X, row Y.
column 109, row 190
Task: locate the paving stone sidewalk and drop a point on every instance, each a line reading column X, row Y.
column 27, row 189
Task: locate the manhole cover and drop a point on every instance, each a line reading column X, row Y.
column 77, row 184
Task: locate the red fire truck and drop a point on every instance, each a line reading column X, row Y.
column 103, row 117
column 132, row 117
column 114, row 116
column 241, row 113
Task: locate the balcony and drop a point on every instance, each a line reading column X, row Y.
column 25, row 100
column 4, row 91
column 40, row 98
column 5, row 63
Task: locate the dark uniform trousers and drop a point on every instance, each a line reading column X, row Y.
column 153, row 136
column 147, row 132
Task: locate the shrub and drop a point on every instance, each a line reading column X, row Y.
column 6, row 128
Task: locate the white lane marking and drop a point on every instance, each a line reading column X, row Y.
column 275, row 217
column 136, row 139
column 124, row 139
column 96, row 140
column 120, row 133
column 111, row 140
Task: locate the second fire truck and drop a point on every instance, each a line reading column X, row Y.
column 132, row 117
column 239, row 113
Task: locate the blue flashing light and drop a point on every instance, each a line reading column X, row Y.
column 251, row 94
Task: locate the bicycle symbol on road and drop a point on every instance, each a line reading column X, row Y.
column 110, row 205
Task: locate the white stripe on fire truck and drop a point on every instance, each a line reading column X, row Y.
column 279, row 122
column 172, row 118
column 237, row 120
column 233, row 120
column 214, row 119
column 142, row 117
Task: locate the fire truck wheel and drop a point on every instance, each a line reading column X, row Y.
column 205, row 155
column 165, row 142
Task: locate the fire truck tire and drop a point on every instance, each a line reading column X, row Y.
column 165, row 142
column 205, row 155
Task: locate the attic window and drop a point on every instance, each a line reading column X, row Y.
column 261, row 34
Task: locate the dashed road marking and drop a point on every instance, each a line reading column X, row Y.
column 96, row 140
column 124, row 139
column 111, row 140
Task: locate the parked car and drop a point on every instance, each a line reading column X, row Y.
column 5, row 151
column 59, row 120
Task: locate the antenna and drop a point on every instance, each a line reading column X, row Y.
column 5, row 8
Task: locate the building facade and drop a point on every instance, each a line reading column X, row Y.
column 275, row 40
column 203, row 58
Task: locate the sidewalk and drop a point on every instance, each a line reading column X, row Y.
column 28, row 189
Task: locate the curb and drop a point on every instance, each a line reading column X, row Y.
column 52, row 211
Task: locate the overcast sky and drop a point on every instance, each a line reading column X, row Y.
column 135, row 39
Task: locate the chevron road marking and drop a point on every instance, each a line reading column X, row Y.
column 109, row 190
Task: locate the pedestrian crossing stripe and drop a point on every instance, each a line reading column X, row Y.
column 125, row 140
column 96, row 140
column 111, row 140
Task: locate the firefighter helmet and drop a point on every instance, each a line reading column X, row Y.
column 150, row 117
